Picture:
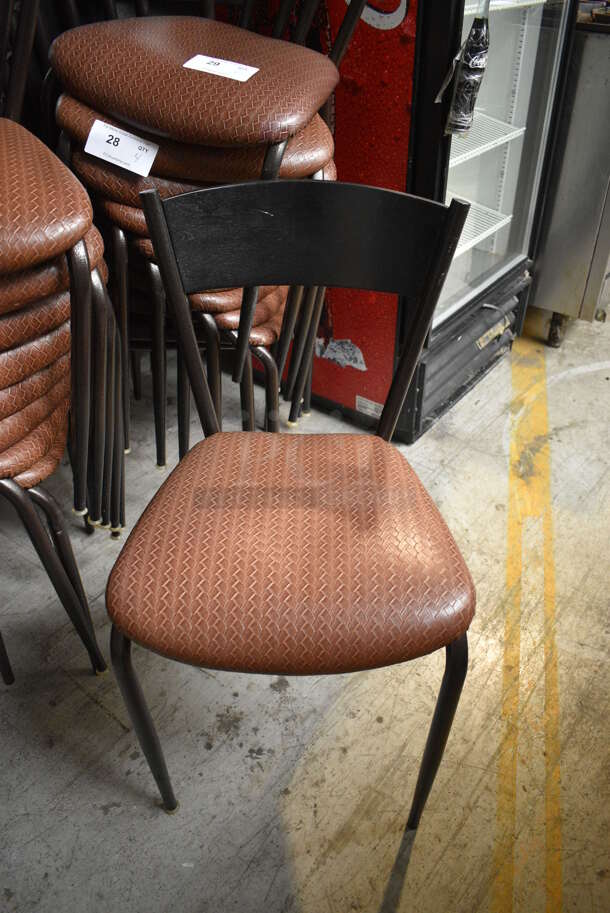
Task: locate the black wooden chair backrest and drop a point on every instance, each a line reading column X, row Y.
column 310, row 233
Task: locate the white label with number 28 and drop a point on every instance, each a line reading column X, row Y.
column 121, row 148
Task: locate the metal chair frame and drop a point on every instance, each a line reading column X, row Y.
column 303, row 233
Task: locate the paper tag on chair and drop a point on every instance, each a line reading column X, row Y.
column 121, row 148
column 219, row 67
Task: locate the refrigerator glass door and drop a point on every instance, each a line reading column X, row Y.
column 496, row 165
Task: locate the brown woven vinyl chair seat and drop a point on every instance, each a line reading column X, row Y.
column 266, row 310
column 28, row 285
column 202, row 166
column 34, row 320
column 37, row 443
column 17, row 426
column 155, row 92
column 18, row 396
column 44, row 210
column 301, row 554
column 47, row 464
column 22, row 361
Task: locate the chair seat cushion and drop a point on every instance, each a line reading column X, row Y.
column 47, row 278
column 42, row 468
column 22, row 361
column 133, row 70
column 267, row 308
column 44, row 210
column 17, row 426
column 307, row 152
column 292, row 554
column 24, row 392
column 35, row 445
column 34, row 320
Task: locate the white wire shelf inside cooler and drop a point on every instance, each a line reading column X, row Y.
column 486, row 133
column 471, row 9
column 481, row 223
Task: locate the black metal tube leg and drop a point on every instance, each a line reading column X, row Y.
column 307, row 358
column 184, row 406
column 110, row 418
column 246, row 394
column 158, row 362
column 24, row 506
column 136, row 373
column 300, row 338
column 5, row 666
column 118, row 456
column 456, row 665
column 272, row 397
column 98, row 420
column 120, row 652
column 120, row 260
column 307, row 395
column 81, row 308
column 212, row 358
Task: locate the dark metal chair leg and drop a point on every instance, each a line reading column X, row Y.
column 61, row 541
column 212, row 357
column 110, row 419
column 118, row 456
column 98, row 422
column 120, row 262
column 456, row 665
column 184, row 406
column 291, row 312
column 80, row 302
column 5, row 667
column 136, row 373
column 307, row 394
column 307, row 357
column 120, row 652
column 24, row 506
column 272, row 398
column 246, row 395
column 158, row 361
column 300, row 338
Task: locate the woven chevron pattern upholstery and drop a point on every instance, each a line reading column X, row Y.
column 18, row 425
column 44, row 210
column 37, row 443
column 21, row 288
column 307, row 152
column 47, row 464
column 22, row 361
column 34, row 320
column 266, row 309
column 18, row 396
column 291, row 554
column 156, row 92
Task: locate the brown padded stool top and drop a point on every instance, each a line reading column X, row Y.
column 34, row 320
column 36, row 444
column 129, row 218
column 43, row 468
column 24, row 392
column 25, row 360
column 291, row 554
column 14, row 428
column 48, row 278
column 266, row 309
column 155, row 91
column 306, row 153
column 44, row 210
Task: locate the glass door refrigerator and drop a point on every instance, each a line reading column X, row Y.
column 498, row 166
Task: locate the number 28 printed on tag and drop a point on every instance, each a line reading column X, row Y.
column 121, row 148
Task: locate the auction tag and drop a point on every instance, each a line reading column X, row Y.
column 121, row 148
column 227, row 68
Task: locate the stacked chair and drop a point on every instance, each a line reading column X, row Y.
column 210, row 130
column 48, row 248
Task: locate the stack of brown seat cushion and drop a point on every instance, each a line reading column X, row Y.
column 210, row 129
column 44, row 211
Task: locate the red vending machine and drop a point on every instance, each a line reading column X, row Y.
column 390, row 132
column 355, row 346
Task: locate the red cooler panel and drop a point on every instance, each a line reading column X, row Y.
column 372, row 117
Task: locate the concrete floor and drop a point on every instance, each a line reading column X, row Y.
column 294, row 793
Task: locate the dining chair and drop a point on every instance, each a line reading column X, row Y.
column 296, row 554
column 219, row 131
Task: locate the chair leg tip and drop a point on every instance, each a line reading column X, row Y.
column 171, row 810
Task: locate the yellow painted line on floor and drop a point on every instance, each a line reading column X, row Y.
column 529, row 496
